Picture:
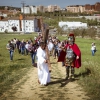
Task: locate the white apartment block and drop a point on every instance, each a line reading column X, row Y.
column 33, row 9
column 30, row 25
column 29, row 9
column 25, row 10
column 26, row 25
column 3, row 26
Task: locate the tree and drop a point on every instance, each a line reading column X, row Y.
column 83, row 32
column 62, row 30
column 92, row 32
column 14, row 28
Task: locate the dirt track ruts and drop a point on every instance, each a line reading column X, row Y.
column 58, row 89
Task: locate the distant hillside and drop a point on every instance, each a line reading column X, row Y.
column 9, row 8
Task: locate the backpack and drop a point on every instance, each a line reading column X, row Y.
column 11, row 46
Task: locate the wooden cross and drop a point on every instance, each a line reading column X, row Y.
column 45, row 33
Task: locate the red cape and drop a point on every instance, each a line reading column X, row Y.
column 76, row 50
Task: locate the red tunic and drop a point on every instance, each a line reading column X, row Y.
column 77, row 52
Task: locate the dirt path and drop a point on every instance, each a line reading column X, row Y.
column 59, row 88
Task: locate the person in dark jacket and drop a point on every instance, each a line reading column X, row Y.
column 32, row 49
column 10, row 48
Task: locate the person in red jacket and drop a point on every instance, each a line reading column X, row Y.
column 71, row 56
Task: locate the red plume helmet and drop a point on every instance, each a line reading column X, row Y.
column 72, row 34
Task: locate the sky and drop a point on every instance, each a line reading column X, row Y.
column 61, row 3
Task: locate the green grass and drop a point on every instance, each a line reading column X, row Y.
column 90, row 69
column 88, row 74
column 12, row 71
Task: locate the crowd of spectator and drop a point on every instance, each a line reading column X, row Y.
column 30, row 46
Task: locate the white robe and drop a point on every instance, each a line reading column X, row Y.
column 50, row 46
column 43, row 70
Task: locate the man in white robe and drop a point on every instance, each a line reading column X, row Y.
column 42, row 64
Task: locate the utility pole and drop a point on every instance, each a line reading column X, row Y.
column 23, row 5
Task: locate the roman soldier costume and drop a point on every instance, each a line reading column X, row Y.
column 71, row 56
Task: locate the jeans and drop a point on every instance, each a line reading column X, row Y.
column 33, row 57
column 23, row 51
column 55, row 53
column 93, row 52
column 11, row 54
column 26, row 51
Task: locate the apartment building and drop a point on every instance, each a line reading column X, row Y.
column 41, row 8
column 29, row 9
column 52, row 8
column 28, row 24
column 75, row 8
column 33, row 9
column 84, row 8
column 25, row 10
column 97, row 6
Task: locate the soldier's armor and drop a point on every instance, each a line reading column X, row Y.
column 69, row 57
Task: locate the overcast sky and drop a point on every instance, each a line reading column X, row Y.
column 61, row 3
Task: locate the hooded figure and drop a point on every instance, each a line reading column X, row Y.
column 71, row 56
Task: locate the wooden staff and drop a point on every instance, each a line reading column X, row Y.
column 45, row 33
column 47, row 51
